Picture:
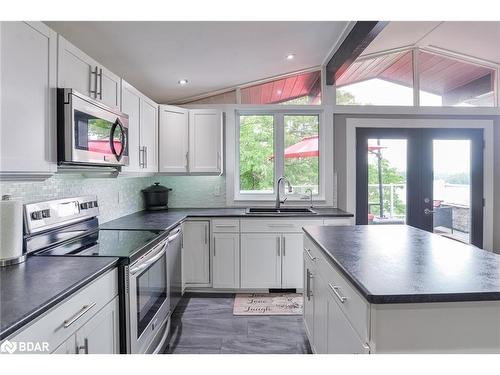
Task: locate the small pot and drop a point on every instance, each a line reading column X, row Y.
column 156, row 197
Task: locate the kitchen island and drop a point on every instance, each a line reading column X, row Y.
column 397, row 289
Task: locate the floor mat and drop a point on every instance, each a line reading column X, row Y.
column 268, row 304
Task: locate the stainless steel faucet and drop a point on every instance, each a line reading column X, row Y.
column 278, row 199
column 310, row 197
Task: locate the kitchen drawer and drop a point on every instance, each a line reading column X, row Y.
column 278, row 225
column 339, row 221
column 66, row 318
column 355, row 307
column 225, row 226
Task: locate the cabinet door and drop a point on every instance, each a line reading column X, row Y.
column 205, row 140
column 131, row 105
column 149, row 134
column 195, row 258
column 76, row 70
column 308, row 312
column 292, row 261
column 226, row 260
column 320, row 314
column 173, row 145
column 100, row 334
column 109, row 87
column 260, row 260
column 67, row 347
column 28, row 53
column 341, row 336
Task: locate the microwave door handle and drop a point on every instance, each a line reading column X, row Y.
column 116, row 124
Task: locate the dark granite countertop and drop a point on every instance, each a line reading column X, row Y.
column 29, row 289
column 167, row 220
column 402, row 264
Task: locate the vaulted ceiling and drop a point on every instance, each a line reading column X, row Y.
column 154, row 56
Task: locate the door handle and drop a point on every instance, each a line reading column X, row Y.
column 429, row 212
column 100, row 82
column 78, row 315
column 336, row 291
column 85, row 347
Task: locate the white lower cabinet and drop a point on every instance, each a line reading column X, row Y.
column 85, row 322
column 226, row 260
column 100, row 334
column 196, row 253
column 291, row 260
column 341, row 336
column 260, row 260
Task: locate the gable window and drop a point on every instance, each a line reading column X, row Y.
column 275, row 144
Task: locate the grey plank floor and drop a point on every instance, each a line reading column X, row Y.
column 203, row 323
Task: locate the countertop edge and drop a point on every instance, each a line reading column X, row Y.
column 56, row 300
column 384, row 299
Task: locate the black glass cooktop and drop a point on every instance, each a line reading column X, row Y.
column 127, row 244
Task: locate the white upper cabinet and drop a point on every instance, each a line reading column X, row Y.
column 77, row 70
column 142, row 130
column 131, row 105
column 28, row 100
column 174, row 141
column 205, row 141
column 149, row 134
column 190, row 140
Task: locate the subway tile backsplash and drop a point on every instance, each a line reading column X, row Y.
column 122, row 196
column 117, row 196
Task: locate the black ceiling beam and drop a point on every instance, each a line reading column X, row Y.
column 361, row 35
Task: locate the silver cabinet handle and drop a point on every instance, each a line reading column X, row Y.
column 141, row 157
column 283, row 247
column 309, row 254
column 78, row 315
column 280, row 225
column 85, row 347
column 225, row 225
column 206, row 232
column 336, row 291
column 187, row 161
column 100, row 82
column 214, row 246
column 218, row 160
column 309, row 276
column 145, row 156
column 278, row 247
column 93, row 73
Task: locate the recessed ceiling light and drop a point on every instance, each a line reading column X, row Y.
column 183, row 82
column 290, row 56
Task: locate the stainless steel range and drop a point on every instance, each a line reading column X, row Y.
column 149, row 267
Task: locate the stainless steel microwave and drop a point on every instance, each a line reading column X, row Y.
column 89, row 132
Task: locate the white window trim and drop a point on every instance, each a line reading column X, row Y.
column 326, row 183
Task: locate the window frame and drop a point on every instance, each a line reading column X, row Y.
column 279, row 148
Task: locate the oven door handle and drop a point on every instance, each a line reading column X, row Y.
column 150, row 261
column 175, row 234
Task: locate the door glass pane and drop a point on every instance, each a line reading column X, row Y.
column 451, row 188
column 302, row 152
column 151, row 292
column 256, row 154
column 387, row 181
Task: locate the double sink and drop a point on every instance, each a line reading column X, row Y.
column 280, row 211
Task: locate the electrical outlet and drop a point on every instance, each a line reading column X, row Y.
column 217, row 190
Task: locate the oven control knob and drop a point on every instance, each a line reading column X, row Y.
column 36, row 215
column 45, row 213
column 83, row 206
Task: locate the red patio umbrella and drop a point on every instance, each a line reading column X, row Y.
column 306, row 148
